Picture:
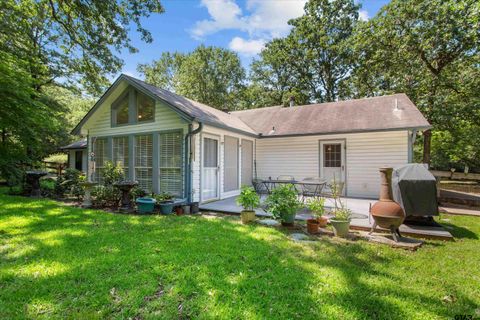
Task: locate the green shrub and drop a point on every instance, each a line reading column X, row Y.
column 112, row 173
column 137, row 192
column 283, row 201
column 163, row 197
column 317, row 206
column 57, row 157
column 248, row 198
column 106, row 196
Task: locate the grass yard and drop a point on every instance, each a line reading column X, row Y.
column 63, row 262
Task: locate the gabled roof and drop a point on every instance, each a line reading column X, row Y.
column 188, row 109
column 80, row 144
column 393, row 112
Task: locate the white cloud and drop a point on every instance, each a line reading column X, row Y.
column 265, row 19
column 363, row 15
column 247, row 47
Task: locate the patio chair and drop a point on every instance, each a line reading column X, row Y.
column 312, row 190
column 259, row 186
column 286, row 177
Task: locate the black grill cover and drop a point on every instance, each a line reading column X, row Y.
column 415, row 189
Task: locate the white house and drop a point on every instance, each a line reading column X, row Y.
column 170, row 143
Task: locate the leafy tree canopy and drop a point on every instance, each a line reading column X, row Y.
column 210, row 75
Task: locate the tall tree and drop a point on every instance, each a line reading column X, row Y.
column 427, row 49
column 47, row 42
column 210, row 75
column 72, row 40
column 314, row 58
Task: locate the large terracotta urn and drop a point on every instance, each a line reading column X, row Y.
column 387, row 213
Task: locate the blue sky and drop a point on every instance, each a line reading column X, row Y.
column 240, row 25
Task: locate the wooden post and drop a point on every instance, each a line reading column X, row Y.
column 427, row 139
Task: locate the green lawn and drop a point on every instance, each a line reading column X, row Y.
column 63, row 262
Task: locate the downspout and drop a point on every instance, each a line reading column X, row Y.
column 188, row 154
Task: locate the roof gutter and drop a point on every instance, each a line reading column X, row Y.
column 264, row 136
column 189, row 158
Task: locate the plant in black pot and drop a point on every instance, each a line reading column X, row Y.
column 283, row 204
column 249, row 200
column 165, row 201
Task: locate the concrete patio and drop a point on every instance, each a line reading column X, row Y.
column 361, row 219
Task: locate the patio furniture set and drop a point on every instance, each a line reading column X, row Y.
column 309, row 187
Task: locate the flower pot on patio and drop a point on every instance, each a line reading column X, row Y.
column 186, row 209
column 312, row 225
column 288, row 219
column 247, row 216
column 179, row 211
column 322, row 221
column 166, row 208
column 340, row 227
column 145, row 205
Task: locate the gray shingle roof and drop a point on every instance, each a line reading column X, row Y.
column 368, row 114
column 80, row 144
column 197, row 110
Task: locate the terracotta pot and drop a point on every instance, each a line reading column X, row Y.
column 247, row 216
column 323, row 221
column 312, row 225
column 179, row 211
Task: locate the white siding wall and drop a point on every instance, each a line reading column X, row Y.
column 365, row 153
column 196, row 165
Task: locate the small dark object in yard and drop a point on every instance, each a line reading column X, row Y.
column 33, row 180
column 125, row 187
column 194, row 207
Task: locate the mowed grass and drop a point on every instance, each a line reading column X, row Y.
column 63, row 262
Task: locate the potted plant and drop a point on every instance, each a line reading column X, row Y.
column 145, row 205
column 283, row 204
column 342, row 216
column 317, row 207
column 249, row 200
column 341, row 221
column 165, row 201
column 179, row 210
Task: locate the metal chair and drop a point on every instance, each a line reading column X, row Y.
column 312, row 189
column 259, row 186
column 286, row 177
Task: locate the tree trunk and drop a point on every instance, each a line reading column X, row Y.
column 427, row 139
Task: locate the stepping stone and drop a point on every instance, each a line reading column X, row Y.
column 299, row 237
column 269, row 222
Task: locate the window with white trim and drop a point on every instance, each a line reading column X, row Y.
column 120, row 154
column 143, row 161
column 100, row 151
column 171, row 163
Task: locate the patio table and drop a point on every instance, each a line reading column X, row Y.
column 318, row 185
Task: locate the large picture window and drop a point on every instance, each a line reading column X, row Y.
column 132, row 107
column 143, row 161
column 120, row 154
column 100, row 150
column 171, row 163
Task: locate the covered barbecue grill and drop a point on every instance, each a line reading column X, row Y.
column 414, row 188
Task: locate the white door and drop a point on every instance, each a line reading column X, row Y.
column 210, row 168
column 332, row 161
